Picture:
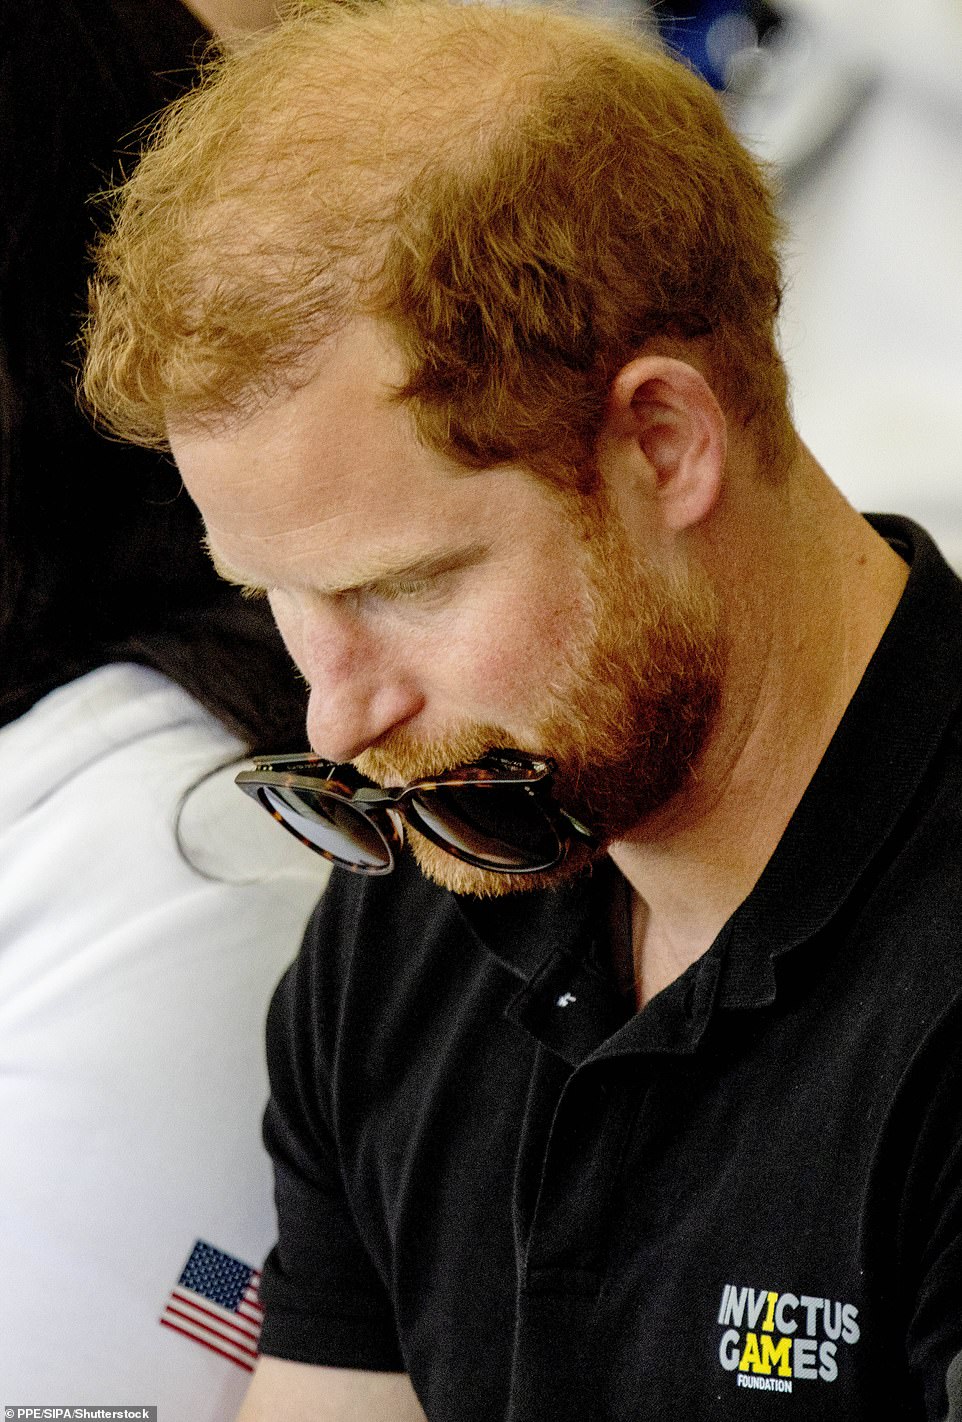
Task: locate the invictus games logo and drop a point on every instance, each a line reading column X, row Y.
column 772, row 1341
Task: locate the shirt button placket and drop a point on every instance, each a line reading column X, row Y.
column 562, row 1270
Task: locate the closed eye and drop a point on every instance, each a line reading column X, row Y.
column 404, row 591
column 424, row 577
column 428, row 580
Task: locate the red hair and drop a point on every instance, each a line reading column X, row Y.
column 527, row 198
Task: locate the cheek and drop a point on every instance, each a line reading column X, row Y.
column 517, row 650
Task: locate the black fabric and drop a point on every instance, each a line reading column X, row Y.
column 743, row 1201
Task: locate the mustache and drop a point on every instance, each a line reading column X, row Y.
column 399, row 756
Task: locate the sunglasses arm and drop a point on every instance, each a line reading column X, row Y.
column 580, row 830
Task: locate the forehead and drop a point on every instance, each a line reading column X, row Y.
column 336, row 467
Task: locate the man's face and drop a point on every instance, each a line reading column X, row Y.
column 437, row 614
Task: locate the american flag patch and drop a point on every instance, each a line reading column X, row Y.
column 215, row 1303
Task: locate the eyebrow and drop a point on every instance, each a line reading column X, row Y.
column 386, row 577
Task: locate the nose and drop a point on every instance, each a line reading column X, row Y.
column 345, row 717
column 359, row 690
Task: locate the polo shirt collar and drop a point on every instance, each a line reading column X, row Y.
column 524, row 930
column 873, row 767
column 874, row 764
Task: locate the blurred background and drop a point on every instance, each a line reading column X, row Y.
column 858, row 105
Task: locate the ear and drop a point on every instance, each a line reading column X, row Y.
column 665, row 433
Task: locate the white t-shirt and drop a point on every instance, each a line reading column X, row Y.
column 133, row 992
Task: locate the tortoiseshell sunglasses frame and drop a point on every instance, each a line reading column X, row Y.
column 383, row 809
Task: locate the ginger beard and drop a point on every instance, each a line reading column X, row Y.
column 624, row 719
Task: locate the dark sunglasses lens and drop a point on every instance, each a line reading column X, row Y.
column 498, row 826
column 333, row 827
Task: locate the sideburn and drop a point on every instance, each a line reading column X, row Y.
column 643, row 692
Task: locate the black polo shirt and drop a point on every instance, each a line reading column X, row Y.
column 744, row 1201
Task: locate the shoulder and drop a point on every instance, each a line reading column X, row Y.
column 915, row 898
column 120, row 824
column 400, row 962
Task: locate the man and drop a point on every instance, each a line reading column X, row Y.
column 459, row 325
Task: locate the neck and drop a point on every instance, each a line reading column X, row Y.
column 811, row 588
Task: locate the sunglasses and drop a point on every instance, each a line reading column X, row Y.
column 496, row 813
